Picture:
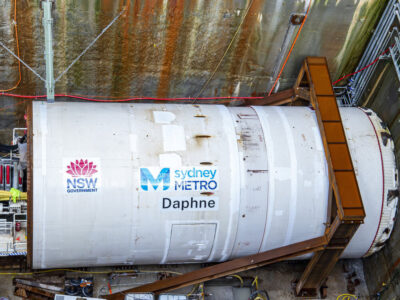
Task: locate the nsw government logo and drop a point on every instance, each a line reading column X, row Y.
column 82, row 175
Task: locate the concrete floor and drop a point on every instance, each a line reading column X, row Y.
column 276, row 279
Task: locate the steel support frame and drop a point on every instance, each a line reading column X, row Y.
column 346, row 210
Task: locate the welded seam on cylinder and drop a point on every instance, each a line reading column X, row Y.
column 43, row 127
column 271, row 180
column 266, row 150
column 168, row 236
column 383, row 180
column 235, row 183
column 134, row 204
column 293, row 172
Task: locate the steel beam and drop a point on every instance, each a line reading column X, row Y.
column 284, row 97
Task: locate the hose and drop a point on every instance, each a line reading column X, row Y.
column 240, row 278
column 291, row 48
column 94, row 272
column 346, row 297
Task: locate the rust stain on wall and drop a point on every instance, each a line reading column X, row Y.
column 170, row 48
column 175, row 18
column 240, row 56
column 147, row 42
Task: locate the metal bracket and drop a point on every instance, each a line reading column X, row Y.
column 297, row 19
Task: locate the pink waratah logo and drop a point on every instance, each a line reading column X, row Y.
column 81, row 168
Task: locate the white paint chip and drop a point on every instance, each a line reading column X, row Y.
column 163, row 117
column 318, row 139
column 133, row 142
column 307, row 183
column 173, row 138
column 170, row 160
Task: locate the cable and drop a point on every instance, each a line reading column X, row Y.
column 362, row 69
column 226, row 51
column 90, row 45
column 16, row 39
column 240, row 278
column 257, row 292
column 346, row 297
column 130, row 99
column 291, row 48
column 11, row 106
column 93, row 272
column 195, row 287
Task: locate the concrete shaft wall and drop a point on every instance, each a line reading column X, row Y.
column 171, row 48
column 383, row 268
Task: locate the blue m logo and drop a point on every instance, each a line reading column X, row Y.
column 146, row 177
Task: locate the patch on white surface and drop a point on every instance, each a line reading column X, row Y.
column 163, row 117
column 283, row 173
column 133, row 142
column 191, row 242
column 170, row 159
column 173, row 138
column 318, row 139
column 307, row 183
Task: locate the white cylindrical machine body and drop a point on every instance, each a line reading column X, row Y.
column 130, row 183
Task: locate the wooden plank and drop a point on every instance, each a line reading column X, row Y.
column 36, row 290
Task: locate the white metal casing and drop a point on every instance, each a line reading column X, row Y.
column 269, row 166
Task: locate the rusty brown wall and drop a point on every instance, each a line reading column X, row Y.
column 169, row 48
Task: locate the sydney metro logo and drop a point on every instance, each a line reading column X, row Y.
column 146, row 177
column 82, row 176
column 196, row 178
